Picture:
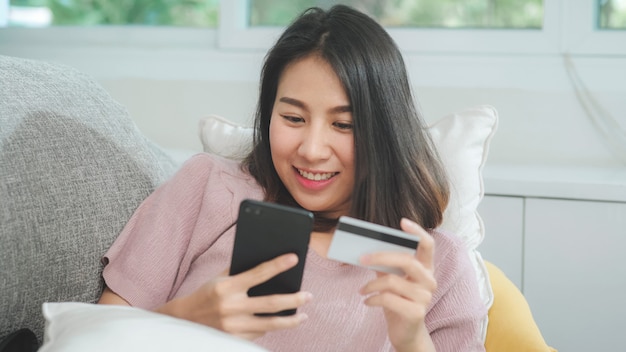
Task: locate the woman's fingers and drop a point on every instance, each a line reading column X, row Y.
column 414, row 270
column 233, row 311
column 401, row 287
column 391, row 283
column 406, row 295
column 278, row 303
column 265, row 271
column 400, row 305
column 426, row 248
column 250, row 326
column 229, row 293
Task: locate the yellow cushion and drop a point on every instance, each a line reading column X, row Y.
column 511, row 325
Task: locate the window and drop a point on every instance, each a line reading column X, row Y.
column 612, row 14
column 63, row 26
column 442, row 26
column 592, row 27
column 415, row 13
column 42, row 13
column 527, row 27
column 453, row 26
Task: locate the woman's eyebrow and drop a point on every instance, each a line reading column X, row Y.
column 341, row 108
column 294, row 102
column 302, row 105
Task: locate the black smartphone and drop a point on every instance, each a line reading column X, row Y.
column 264, row 231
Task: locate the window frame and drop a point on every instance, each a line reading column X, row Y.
column 568, row 29
column 581, row 36
column 234, row 33
column 4, row 13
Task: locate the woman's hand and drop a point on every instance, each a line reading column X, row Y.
column 223, row 302
column 405, row 299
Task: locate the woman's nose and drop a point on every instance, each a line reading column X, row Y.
column 315, row 144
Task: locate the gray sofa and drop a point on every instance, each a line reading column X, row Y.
column 73, row 168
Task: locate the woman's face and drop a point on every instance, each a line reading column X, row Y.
column 311, row 137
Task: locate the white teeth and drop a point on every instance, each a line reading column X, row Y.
column 316, row 177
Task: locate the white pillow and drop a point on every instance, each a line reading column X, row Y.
column 226, row 138
column 462, row 140
column 79, row 327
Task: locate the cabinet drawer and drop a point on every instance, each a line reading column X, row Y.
column 503, row 219
column 575, row 274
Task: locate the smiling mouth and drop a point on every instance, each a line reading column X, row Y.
column 317, row 176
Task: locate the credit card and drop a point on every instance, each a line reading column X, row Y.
column 353, row 238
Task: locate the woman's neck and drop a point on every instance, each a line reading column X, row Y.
column 320, row 242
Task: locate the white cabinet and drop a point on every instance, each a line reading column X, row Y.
column 575, row 272
column 503, row 219
column 560, row 235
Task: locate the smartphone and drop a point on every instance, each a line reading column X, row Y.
column 264, row 231
column 354, row 238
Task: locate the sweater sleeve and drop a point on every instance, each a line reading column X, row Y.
column 457, row 311
column 150, row 257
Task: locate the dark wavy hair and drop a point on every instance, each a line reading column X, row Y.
column 398, row 172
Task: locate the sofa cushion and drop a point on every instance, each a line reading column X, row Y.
column 80, row 327
column 73, row 168
column 512, row 327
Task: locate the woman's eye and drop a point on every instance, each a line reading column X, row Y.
column 343, row 125
column 293, row 119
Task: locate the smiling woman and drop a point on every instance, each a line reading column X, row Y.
column 311, row 137
column 337, row 132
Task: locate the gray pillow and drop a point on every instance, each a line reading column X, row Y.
column 73, row 168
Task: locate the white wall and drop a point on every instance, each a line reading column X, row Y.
column 541, row 119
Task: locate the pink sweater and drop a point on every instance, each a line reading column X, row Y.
column 182, row 235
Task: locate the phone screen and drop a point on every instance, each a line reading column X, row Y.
column 265, row 231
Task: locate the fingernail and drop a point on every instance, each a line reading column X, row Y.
column 412, row 225
column 308, row 296
column 410, row 222
column 302, row 317
column 365, row 259
column 291, row 259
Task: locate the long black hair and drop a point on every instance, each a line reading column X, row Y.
column 397, row 169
